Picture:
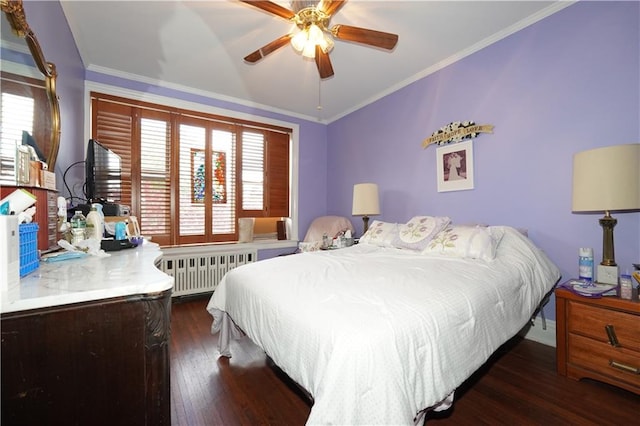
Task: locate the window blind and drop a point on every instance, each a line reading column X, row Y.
column 155, row 182
column 252, row 171
column 17, row 115
column 22, row 100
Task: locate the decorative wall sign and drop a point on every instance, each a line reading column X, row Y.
column 457, row 132
column 198, row 176
column 455, row 167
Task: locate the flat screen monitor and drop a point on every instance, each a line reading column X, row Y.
column 103, row 173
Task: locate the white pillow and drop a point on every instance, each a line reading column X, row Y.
column 472, row 242
column 416, row 234
column 380, row 234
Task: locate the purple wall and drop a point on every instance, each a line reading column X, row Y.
column 565, row 84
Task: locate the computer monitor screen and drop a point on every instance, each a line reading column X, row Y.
column 103, row 173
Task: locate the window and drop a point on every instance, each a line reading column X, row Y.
column 252, row 171
column 155, row 183
column 18, row 111
column 189, row 176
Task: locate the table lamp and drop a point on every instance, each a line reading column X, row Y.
column 365, row 202
column 607, row 180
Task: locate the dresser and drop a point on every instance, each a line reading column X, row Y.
column 85, row 342
column 598, row 339
column 46, row 214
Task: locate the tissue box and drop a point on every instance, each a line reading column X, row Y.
column 9, row 252
column 29, row 261
column 48, row 179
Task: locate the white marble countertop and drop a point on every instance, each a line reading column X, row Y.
column 126, row 272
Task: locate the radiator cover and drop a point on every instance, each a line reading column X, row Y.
column 200, row 272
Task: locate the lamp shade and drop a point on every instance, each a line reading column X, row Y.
column 607, row 179
column 365, row 199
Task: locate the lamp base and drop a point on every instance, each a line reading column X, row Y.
column 365, row 219
column 608, row 223
column 607, row 274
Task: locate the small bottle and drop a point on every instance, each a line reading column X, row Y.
column 626, row 287
column 98, row 207
column 121, row 231
column 78, row 227
column 94, row 225
column 585, row 264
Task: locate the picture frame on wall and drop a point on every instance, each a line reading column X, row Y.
column 454, row 166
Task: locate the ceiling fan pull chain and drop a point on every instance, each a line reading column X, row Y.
column 319, row 107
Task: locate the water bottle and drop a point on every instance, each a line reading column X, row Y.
column 78, row 227
column 585, row 264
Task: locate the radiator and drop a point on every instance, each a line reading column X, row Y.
column 195, row 272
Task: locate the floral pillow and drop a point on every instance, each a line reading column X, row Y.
column 473, row 242
column 380, row 234
column 416, row 234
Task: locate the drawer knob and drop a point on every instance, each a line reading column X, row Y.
column 624, row 367
column 611, row 334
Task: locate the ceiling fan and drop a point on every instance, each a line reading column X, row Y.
column 315, row 38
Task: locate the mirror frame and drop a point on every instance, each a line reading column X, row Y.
column 14, row 11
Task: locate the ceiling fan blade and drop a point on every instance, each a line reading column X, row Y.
column 267, row 49
column 331, row 6
column 323, row 63
column 365, row 36
column 271, row 7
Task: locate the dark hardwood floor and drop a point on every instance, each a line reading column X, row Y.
column 518, row 386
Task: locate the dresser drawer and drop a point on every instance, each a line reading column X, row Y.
column 621, row 364
column 591, row 321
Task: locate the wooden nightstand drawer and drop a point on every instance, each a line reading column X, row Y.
column 592, row 321
column 618, row 363
column 584, row 346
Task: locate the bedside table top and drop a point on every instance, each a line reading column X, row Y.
column 614, row 302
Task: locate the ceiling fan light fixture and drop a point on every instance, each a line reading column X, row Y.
column 315, row 34
column 306, row 40
column 326, row 44
column 315, row 38
column 309, row 51
column 299, row 40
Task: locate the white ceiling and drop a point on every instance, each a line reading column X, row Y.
column 199, row 46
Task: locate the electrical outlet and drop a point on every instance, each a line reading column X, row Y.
column 607, row 274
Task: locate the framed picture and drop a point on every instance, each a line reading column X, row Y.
column 455, row 166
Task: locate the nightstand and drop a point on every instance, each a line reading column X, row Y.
column 598, row 338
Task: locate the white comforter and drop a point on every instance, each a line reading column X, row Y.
column 377, row 335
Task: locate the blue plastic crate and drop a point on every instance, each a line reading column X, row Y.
column 29, row 261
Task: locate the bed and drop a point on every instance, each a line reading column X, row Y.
column 380, row 332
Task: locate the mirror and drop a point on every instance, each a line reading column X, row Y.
column 50, row 140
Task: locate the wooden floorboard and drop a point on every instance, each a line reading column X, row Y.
column 518, row 386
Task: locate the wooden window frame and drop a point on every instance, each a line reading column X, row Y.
column 177, row 116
